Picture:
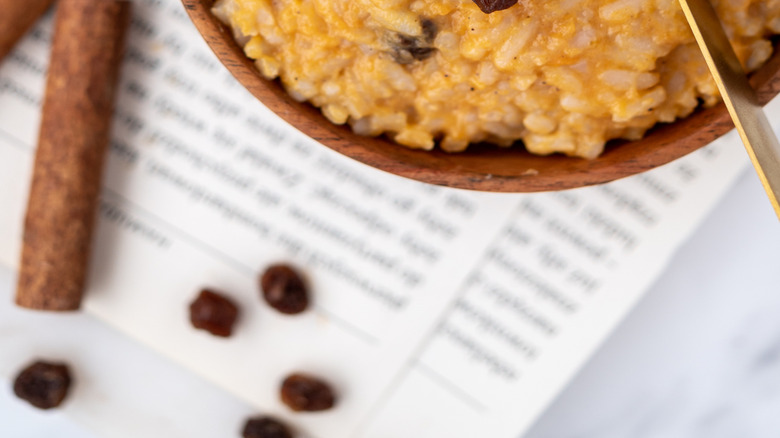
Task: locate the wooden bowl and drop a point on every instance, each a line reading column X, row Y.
column 481, row 167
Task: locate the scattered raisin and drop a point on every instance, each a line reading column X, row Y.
column 284, row 289
column 488, row 6
column 265, row 427
column 302, row 392
column 213, row 312
column 43, row 385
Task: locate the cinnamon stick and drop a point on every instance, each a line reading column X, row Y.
column 16, row 16
column 86, row 52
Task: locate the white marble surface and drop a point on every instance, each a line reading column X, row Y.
column 699, row 356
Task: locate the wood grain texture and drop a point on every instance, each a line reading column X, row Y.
column 481, row 167
column 85, row 58
column 16, row 16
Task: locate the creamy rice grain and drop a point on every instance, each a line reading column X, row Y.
column 560, row 75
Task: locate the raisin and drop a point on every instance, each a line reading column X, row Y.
column 43, row 385
column 421, row 53
column 265, row 427
column 408, row 55
column 488, row 6
column 213, row 312
column 284, row 289
column 428, row 30
column 407, row 49
column 302, row 392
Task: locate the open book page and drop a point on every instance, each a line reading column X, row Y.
column 560, row 274
column 437, row 312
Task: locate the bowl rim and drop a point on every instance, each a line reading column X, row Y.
column 480, row 167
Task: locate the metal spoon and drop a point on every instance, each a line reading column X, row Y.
column 739, row 97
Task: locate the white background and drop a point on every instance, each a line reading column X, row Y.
column 698, row 357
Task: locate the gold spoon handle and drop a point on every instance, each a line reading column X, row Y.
column 739, row 97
